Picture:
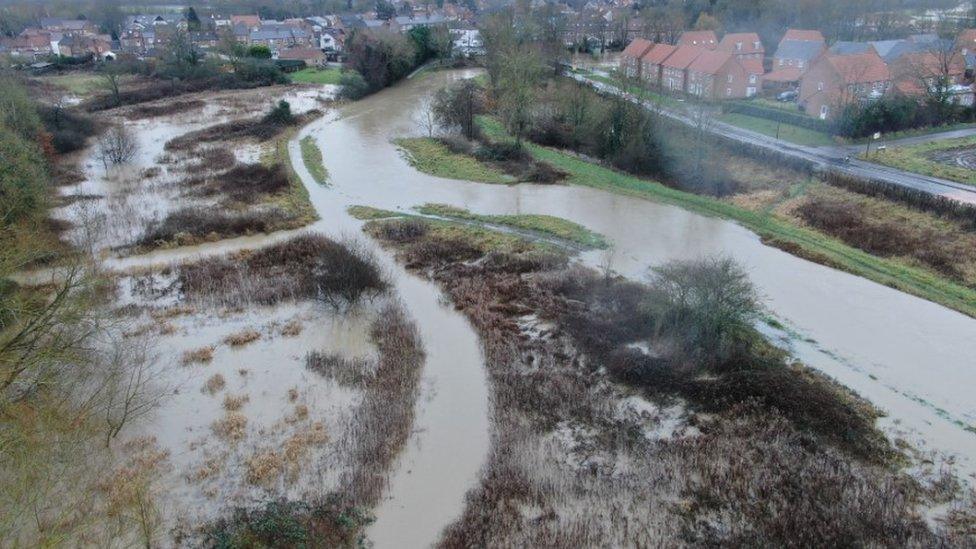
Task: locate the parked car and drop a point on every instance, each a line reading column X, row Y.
column 787, row 96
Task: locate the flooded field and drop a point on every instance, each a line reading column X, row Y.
column 238, row 380
column 912, row 358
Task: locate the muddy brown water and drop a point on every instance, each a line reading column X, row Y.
column 914, row 359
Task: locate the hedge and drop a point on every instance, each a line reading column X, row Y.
column 779, row 115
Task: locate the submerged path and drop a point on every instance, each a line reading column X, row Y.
column 912, row 358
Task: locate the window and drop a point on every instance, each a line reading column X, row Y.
column 738, row 46
column 799, row 64
column 819, row 86
column 752, row 78
column 728, row 92
column 757, row 45
column 823, row 112
column 781, row 61
column 730, row 79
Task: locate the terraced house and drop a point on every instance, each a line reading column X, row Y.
column 742, row 45
column 630, row 59
column 716, row 75
column 674, row 69
column 700, row 39
column 651, row 63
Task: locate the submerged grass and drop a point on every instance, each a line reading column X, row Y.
column 543, row 224
column 433, row 157
column 312, row 157
column 773, row 229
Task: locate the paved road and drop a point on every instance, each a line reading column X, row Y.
column 822, row 158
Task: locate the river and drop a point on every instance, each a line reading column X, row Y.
column 912, row 358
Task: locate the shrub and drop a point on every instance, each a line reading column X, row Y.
column 352, row 85
column 280, row 114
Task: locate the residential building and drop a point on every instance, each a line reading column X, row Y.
column 717, row 75
column 252, row 22
column 742, row 45
column 278, row 36
column 651, row 63
column 630, row 59
column 674, row 69
column 798, row 48
column 312, row 57
column 407, row 22
column 834, row 81
column 701, row 39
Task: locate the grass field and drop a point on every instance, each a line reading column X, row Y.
column 914, row 158
column 787, row 132
column 317, row 76
column 654, row 97
column 312, row 156
column 543, row 224
column 774, row 230
column 430, row 156
column 78, row 83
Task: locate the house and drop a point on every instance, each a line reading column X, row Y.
column 407, row 22
column 798, row 48
column 651, row 63
column 834, row 81
column 701, row 39
column 311, row 56
column 630, row 59
column 674, row 69
column 278, row 36
column 965, row 44
column 916, row 74
column 717, row 75
column 742, row 45
column 252, row 22
column 75, row 26
column 755, row 74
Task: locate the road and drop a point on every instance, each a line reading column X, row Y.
column 826, row 159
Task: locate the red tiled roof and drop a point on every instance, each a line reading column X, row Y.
column 752, row 65
column 658, row 54
column 966, row 38
column 710, row 62
column 637, row 48
column 249, row 20
column 748, row 40
column 682, row 57
column 927, row 64
column 703, row 39
column 787, row 74
column 860, row 68
column 301, row 53
column 803, row 35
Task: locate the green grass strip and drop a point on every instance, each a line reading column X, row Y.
column 430, row 156
column 543, row 224
column 317, row 76
column 312, row 156
column 914, row 158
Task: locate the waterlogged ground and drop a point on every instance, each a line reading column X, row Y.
column 910, row 357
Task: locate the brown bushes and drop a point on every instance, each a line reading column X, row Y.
column 304, row 267
column 387, row 410
column 192, row 225
column 164, row 109
column 353, row 372
column 886, row 231
column 248, row 182
column 261, row 128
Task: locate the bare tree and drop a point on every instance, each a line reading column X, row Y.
column 425, row 117
column 129, row 386
column 116, row 146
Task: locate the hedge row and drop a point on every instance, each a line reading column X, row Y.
column 779, row 115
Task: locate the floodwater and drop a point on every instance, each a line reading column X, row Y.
column 914, row 359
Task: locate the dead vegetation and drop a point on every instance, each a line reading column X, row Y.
column 242, row 338
column 568, row 349
column 195, row 224
column 231, row 428
column 304, row 267
column 261, row 128
column 164, row 109
column 203, row 355
column 882, row 228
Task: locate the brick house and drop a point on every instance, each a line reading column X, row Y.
column 651, row 63
column 917, row 74
column 701, row 39
column 717, row 75
column 742, row 45
column 834, row 81
column 313, row 57
column 674, row 69
column 630, row 59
